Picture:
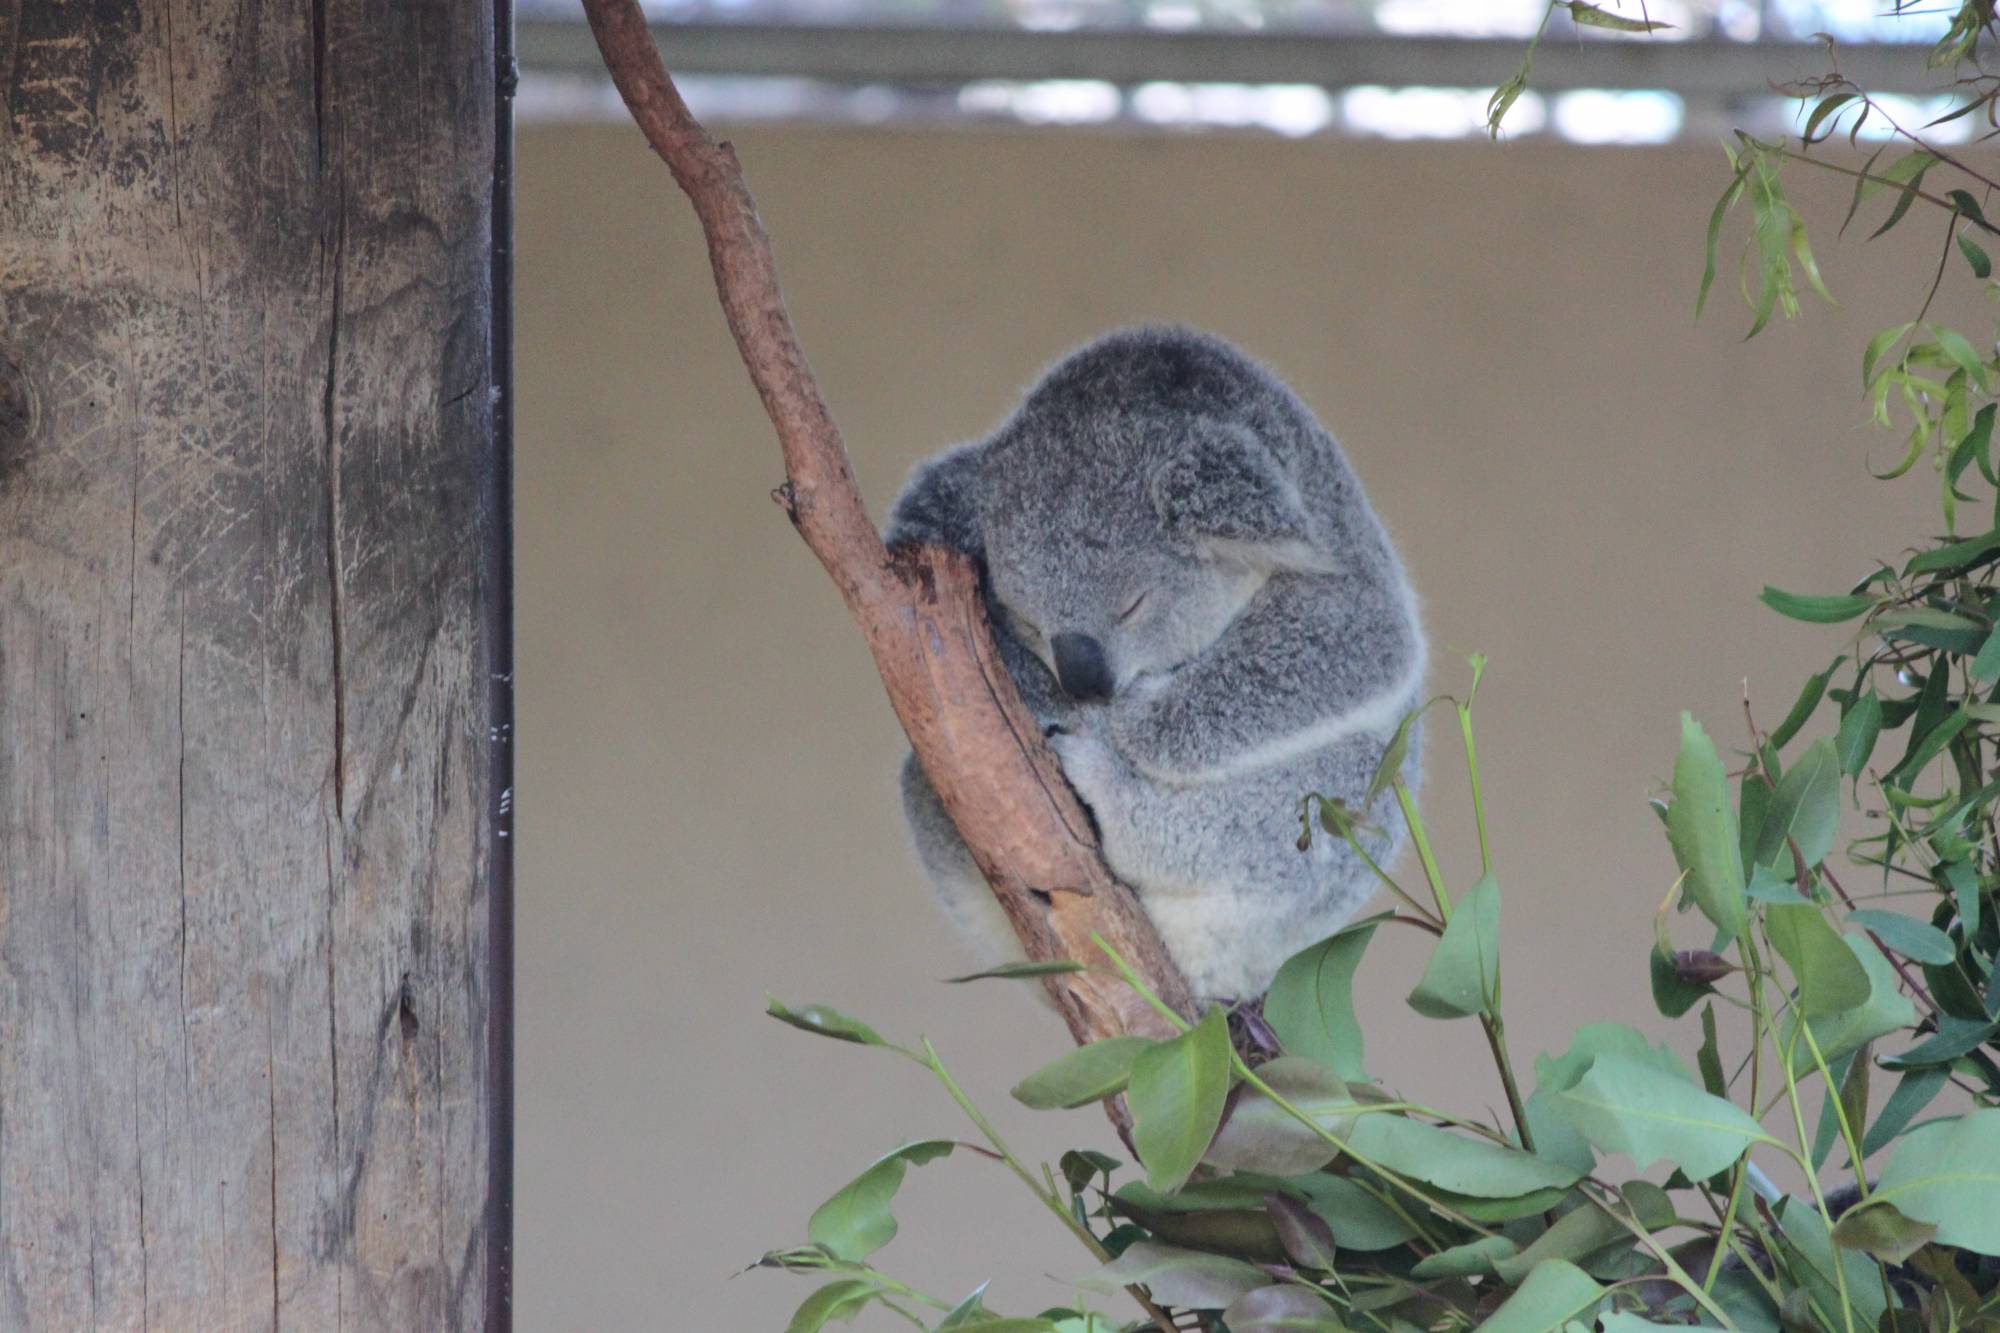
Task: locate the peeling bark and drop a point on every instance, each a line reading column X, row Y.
column 246, row 731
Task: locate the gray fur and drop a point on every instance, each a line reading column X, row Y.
column 1273, row 653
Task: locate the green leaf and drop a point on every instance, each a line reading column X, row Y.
column 1673, row 994
column 1813, row 1253
column 840, row 1300
column 1475, row 1258
column 1955, row 1037
column 1745, row 1302
column 1916, row 1091
column 1186, row 1278
column 1051, row 967
column 1587, row 15
column 1176, row 1092
column 1885, row 1010
column 1916, row 940
column 971, row 1309
column 1080, row 1166
column 1651, row 1205
column 1858, row 731
column 1258, row 1135
column 1311, row 1002
column 1927, row 745
column 1622, row 1105
column 1555, row 1293
column 1730, row 194
column 1577, row 1233
column 1358, row 1219
column 1087, row 1074
column 1561, row 1073
column 1753, row 803
column 1463, row 976
column 1532, row 1204
column 1877, row 345
column 1454, row 1162
column 1701, row 826
column 1854, row 1085
column 1986, row 666
column 1831, row 979
column 1908, row 171
column 1968, row 206
column 1307, row 1239
column 1842, row 1072
column 856, row 1221
column 1281, row 1309
column 1805, row 808
column 1955, row 555
column 1827, row 107
column 1879, row 1229
column 825, row 1021
column 1802, row 708
column 1390, row 767
column 1273, row 1309
column 1766, row 887
column 1817, row 610
column 1964, row 882
column 1960, row 353
column 1709, row 1057
column 1975, row 446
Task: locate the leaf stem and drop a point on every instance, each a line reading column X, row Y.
column 1496, row 1038
column 1856, row 174
column 1472, row 772
column 1666, row 1258
column 1753, row 969
column 1422, row 842
column 1047, row 1197
column 1804, row 1158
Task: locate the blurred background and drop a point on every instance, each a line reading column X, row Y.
column 1587, row 484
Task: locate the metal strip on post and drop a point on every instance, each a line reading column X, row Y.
column 500, row 694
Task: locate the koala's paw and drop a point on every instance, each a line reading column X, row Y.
column 1094, row 769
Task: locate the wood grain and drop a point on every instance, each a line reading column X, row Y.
column 245, row 723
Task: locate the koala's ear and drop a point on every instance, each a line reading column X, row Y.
column 1224, row 489
column 938, row 503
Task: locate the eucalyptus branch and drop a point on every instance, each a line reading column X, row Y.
column 1855, row 173
column 919, row 608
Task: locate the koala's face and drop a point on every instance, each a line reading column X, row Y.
column 1092, row 582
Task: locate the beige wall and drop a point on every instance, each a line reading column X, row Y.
column 1586, row 484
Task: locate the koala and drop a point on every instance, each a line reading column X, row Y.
column 1198, row 605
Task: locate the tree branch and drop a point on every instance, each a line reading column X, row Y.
column 918, row 607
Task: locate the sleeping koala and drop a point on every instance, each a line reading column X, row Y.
column 1196, row 602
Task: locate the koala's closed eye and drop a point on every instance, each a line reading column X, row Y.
column 1133, row 609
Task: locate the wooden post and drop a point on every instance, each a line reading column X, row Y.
column 251, row 629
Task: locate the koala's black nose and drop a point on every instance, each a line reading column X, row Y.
column 1080, row 666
